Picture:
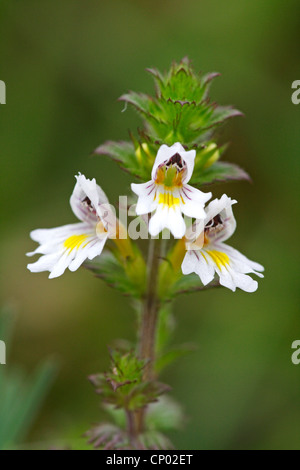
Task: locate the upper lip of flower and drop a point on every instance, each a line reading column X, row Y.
column 177, row 156
column 88, row 200
column 218, row 225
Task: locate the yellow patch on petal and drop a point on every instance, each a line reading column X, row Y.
column 75, row 241
column 221, row 259
column 160, row 176
column 167, row 199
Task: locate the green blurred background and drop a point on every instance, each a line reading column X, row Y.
column 65, row 63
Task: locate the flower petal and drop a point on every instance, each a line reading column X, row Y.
column 146, row 194
column 196, row 262
column 222, row 207
column 230, row 265
column 167, row 217
column 44, row 263
column 47, row 237
column 232, row 279
column 165, row 153
column 240, row 262
column 66, row 247
column 88, row 201
column 193, row 201
column 90, row 251
column 175, row 222
column 189, row 159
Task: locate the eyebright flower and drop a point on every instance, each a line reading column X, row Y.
column 70, row 245
column 168, row 193
column 208, row 254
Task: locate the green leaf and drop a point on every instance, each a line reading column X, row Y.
column 181, row 110
column 125, row 155
column 123, row 385
column 114, row 273
column 164, row 415
column 7, row 324
column 217, row 173
column 172, row 355
column 20, row 400
column 165, row 327
column 107, row 437
column 147, row 106
column 20, row 396
column 190, row 284
column 181, row 83
column 116, row 414
column 154, row 440
column 145, row 393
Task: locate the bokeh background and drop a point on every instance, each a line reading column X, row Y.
column 65, row 63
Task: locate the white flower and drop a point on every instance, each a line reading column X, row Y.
column 209, row 255
column 70, row 245
column 168, row 193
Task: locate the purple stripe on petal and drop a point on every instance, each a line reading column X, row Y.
column 188, row 197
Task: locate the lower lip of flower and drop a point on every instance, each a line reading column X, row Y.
column 167, row 199
column 75, row 242
column 221, row 259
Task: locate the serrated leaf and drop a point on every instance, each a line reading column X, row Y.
column 123, row 385
column 144, row 393
column 144, row 104
column 182, row 83
column 219, row 172
column 154, row 440
column 108, row 437
column 179, row 112
column 169, row 120
column 125, row 155
column 212, row 115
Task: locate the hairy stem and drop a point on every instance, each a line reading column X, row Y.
column 150, row 310
column 132, row 429
column 147, row 336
